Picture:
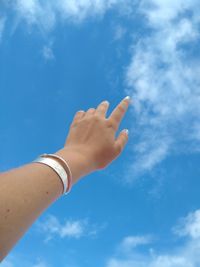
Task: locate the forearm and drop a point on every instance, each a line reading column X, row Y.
column 25, row 192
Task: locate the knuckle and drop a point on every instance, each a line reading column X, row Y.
column 111, row 124
column 91, row 109
column 96, row 117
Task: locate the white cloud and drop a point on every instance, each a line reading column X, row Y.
column 164, row 81
column 190, row 226
column 186, row 255
column 52, row 227
column 160, row 12
column 16, row 260
column 45, row 14
column 131, row 242
column 70, row 228
column 47, row 52
column 120, row 32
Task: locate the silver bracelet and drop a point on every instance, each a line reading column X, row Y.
column 58, row 168
column 65, row 165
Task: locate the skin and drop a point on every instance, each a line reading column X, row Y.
column 28, row 190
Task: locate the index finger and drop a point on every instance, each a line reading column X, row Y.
column 119, row 112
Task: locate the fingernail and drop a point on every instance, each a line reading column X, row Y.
column 106, row 102
column 127, row 98
column 126, row 131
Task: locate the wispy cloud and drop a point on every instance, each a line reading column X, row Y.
column 47, row 52
column 131, row 242
column 76, row 229
column 189, row 226
column 119, row 32
column 16, row 260
column 45, row 14
column 2, row 25
column 186, row 255
column 164, row 81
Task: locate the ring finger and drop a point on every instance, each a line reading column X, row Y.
column 90, row 112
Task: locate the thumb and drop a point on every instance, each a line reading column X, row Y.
column 121, row 141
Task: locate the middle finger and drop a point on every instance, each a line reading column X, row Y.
column 102, row 108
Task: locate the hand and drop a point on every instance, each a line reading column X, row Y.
column 91, row 144
column 91, row 136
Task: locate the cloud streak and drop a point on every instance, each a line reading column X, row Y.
column 164, row 81
column 46, row 14
column 51, row 227
column 186, row 255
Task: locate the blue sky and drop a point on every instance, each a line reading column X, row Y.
column 59, row 57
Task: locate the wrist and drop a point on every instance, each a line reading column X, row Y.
column 79, row 163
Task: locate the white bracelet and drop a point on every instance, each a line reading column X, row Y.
column 57, row 167
column 65, row 165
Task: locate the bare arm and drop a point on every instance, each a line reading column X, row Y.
column 25, row 192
